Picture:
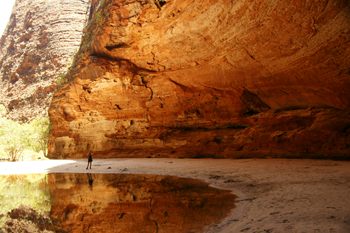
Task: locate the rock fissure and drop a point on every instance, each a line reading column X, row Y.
column 156, row 223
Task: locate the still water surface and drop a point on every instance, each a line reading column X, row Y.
column 67, row 202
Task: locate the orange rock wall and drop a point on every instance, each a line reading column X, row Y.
column 208, row 79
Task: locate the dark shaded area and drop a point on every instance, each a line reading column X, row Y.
column 254, row 103
column 122, row 45
column 162, row 3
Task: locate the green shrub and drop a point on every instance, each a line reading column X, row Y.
column 15, row 138
column 39, row 132
column 61, row 79
column 98, row 17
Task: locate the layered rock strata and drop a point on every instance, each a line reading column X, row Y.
column 208, row 79
column 135, row 203
column 37, row 48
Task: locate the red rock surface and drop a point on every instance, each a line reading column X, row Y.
column 37, row 47
column 135, row 203
column 208, row 79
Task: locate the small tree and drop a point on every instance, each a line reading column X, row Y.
column 39, row 130
column 14, row 138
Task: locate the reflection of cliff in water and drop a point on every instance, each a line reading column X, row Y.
column 135, row 203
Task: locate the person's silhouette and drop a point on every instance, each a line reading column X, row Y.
column 90, row 180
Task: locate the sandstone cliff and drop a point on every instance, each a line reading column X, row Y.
column 37, row 48
column 208, row 79
column 135, row 203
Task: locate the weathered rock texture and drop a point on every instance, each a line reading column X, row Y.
column 37, row 48
column 26, row 219
column 135, row 203
column 208, row 79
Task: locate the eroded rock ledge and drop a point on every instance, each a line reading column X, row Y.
column 208, row 79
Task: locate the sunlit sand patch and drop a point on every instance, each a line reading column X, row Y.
column 8, row 168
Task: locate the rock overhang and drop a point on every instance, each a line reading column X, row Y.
column 208, row 79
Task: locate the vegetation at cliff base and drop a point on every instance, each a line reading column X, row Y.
column 19, row 141
column 98, row 17
column 61, row 79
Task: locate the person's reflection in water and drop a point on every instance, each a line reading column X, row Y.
column 90, row 180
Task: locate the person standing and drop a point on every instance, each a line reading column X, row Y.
column 89, row 160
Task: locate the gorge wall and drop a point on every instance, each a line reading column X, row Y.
column 37, row 48
column 227, row 79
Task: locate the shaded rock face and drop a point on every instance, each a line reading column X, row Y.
column 135, row 203
column 37, row 47
column 208, row 79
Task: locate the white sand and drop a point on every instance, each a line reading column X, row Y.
column 274, row 195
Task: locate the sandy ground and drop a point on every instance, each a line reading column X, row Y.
column 274, row 195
